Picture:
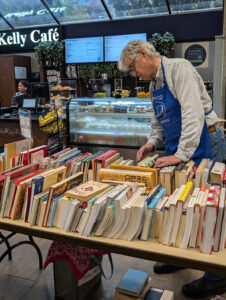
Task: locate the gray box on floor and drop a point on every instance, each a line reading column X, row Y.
column 68, row 287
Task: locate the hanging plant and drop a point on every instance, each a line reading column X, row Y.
column 50, row 53
column 163, row 43
column 89, row 71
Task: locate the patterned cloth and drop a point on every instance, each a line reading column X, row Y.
column 77, row 256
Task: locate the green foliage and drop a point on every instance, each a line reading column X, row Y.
column 51, row 52
column 163, row 43
column 89, row 71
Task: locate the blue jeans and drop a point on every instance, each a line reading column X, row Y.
column 218, row 147
column 217, row 142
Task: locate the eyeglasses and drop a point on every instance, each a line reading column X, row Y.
column 132, row 67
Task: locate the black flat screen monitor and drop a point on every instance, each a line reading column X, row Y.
column 84, row 50
column 29, row 103
column 40, row 89
column 114, row 44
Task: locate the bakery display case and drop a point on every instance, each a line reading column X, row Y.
column 108, row 121
column 63, row 90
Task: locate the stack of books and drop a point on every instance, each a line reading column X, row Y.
column 136, row 285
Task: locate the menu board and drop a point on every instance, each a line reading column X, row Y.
column 114, row 44
column 84, row 50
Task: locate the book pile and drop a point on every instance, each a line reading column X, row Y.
column 136, row 285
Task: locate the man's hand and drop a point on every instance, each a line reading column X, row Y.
column 167, row 161
column 144, row 150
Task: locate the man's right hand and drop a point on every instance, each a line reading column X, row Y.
column 144, row 150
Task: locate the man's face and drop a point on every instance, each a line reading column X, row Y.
column 141, row 66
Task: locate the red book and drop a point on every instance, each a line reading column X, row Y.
column 28, row 203
column 224, row 178
column 101, row 159
column 55, row 155
column 74, row 160
column 26, row 155
column 15, row 184
column 210, row 218
column 9, row 175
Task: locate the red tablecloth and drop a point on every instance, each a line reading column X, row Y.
column 77, row 256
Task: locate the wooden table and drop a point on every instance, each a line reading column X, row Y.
column 150, row 250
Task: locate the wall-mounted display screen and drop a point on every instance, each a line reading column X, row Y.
column 114, row 44
column 84, row 50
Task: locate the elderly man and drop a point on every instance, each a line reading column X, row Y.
column 184, row 119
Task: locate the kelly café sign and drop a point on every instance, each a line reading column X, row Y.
column 27, row 39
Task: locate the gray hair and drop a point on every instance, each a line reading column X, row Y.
column 132, row 50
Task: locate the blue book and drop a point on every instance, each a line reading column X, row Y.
column 149, row 215
column 159, row 294
column 52, row 211
column 133, row 282
column 153, row 193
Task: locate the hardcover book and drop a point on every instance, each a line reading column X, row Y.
column 132, row 282
column 87, row 190
column 58, row 189
column 15, row 148
column 143, row 178
column 137, row 168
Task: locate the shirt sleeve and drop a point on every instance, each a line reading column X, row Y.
column 192, row 112
column 157, row 136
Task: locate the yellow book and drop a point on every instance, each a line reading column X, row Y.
column 52, row 177
column 127, row 176
column 185, row 192
column 137, row 168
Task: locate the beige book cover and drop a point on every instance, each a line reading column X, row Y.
column 37, row 156
column 53, row 176
column 167, row 179
column 217, row 172
column 15, row 148
column 87, row 190
column 127, row 176
column 137, row 168
column 199, row 171
column 41, row 211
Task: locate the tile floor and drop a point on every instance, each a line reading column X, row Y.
column 21, row 279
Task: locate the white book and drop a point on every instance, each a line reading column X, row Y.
column 222, row 243
column 95, row 211
column 188, row 220
column 220, row 214
column 178, row 212
column 201, row 218
column 209, row 224
column 62, row 203
column 170, row 220
column 119, row 201
column 196, row 215
column 72, row 209
column 136, row 206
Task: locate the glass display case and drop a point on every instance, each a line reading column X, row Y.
column 63, row 90
column 124, row 122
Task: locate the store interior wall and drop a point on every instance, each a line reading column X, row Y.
column 207, row 74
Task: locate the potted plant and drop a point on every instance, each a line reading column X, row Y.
column 163, row 43
column 50, row 53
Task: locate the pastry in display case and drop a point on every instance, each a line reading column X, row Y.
column 63, row 90
column 110, row 121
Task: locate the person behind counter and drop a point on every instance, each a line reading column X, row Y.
column 23, row 93
column 184, row 118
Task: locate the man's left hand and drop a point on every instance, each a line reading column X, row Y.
column 167, row 161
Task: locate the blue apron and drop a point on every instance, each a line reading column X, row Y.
column 168, row 112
